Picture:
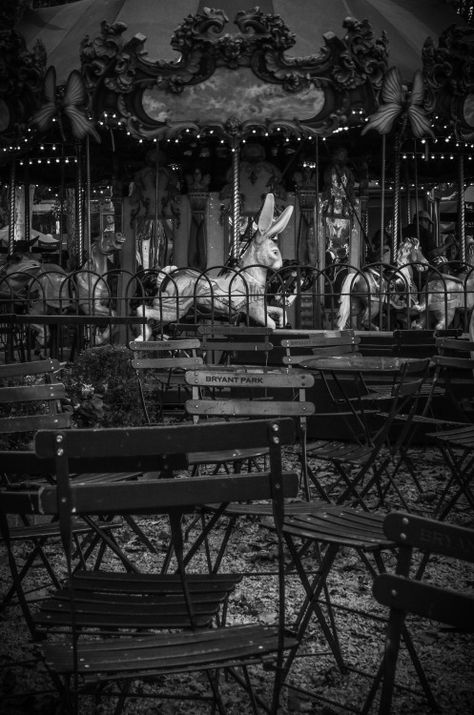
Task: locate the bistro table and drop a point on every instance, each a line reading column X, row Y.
column 364, row 369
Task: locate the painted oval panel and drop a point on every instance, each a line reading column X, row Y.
column 230, row 93
column 468, row 110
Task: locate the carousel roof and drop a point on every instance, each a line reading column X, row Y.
column 407, row 24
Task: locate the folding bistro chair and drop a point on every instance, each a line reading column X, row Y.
column 224, row 344
column 373, row 464
column 159, row 366
column 31, row 400
column 334, row 530
column 403, row 595
column 251, row 392
column 110, row 620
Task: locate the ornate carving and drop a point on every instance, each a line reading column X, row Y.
column 346, row 73
column 448, row 71
column 21, row 83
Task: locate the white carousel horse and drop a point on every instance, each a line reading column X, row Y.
column 443, row 295
column 29, row 286
column 238, row 290
column 364, row 293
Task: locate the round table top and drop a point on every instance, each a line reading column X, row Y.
column 355, row 362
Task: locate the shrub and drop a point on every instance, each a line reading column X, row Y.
column 102, row 388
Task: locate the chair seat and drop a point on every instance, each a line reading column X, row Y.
column 337, row 452
column 265, row 509
column 462, row 437
column 122, row 600
column 343, row 526
column 223, row 456
column 163, row 653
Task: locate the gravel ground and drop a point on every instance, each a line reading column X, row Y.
column 448, row 657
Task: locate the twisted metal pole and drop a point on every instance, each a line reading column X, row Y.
column 396, row 198
column 11, row 206
column 79, row 213
column 234, row 246
column 461, row 212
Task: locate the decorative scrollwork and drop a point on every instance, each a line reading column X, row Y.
column 21, row 83
column 448, row 71
column 347, row 72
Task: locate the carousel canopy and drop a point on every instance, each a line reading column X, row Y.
column 407, row 24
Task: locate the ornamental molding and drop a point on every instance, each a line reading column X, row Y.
column 346, row 74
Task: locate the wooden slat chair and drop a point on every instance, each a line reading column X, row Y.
column 224, row 344
column 328, row 343
column 159, row 366
column 31, row 399
column 336, row 530
column 320, row 343
column 420, row 343
column 446, row 421
column 374, row 465
column 250, row 392
column 403, row 594
column 184, row 604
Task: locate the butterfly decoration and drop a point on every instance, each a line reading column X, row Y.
column 399, row 103
column 69, row 104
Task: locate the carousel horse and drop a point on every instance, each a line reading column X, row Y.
column 235, row 291
column 27, row 285
column 93, row 290
column 363, row 294
column 443, row 295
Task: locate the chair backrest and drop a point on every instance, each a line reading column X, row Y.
column 453, row 377
column 249, row 392
column 235, row 344
column 30, row 399
column 407, row 394
column 323, row 343
column 404, row 595
column 159, row 366
column 398, row 591
column 164, row 447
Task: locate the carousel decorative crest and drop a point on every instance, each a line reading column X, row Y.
column 448, row 71
column 233, row 81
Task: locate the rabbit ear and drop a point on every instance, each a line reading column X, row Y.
column 281, row 222
column 266, row 215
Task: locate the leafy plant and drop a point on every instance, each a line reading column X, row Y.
column 102, row 388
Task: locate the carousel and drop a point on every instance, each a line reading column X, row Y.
column 267, row 166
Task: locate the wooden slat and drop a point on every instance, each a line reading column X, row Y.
column 144, row 497
column 431, row 535
column 165, row 345
column 32, row 393
column 249, row 408
column 31, row 423
column 35, row 367
column 177, row 652
column 426, row 600
column 166, row 363
column 162, row 439
column 234, row 378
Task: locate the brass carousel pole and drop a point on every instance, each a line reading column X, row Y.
column 461, row 212
column 11, row 206
column 382, row 197
column 79, row 214
column 234, row 246
column 396, row 198
column 88, row 232
column 26, row 187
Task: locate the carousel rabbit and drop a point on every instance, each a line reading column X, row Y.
column 236, row 290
